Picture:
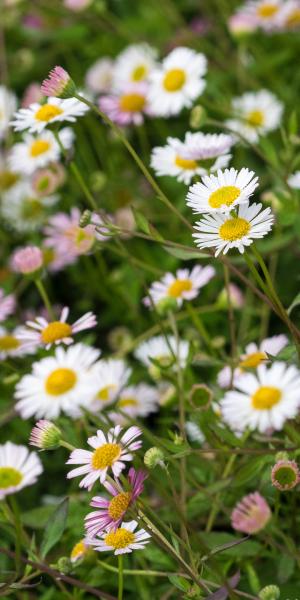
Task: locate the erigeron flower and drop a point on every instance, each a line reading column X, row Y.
column 177, row 82
column 45, row 435
column 18, row 468
column 285, row 475
column 122, row 540
column 223, row 232
column 60, row 383
column 290, row 15
column 59, row 84
column 110, row 451
column 41, row 332
column 111, row 376
column 38, row 151
column 135, row 401
column 7, row 304
column 166, row 351
column 254, row 355
column 126, row 107
column 241, row 23
column 264, row 400
column 199, row 154
column 255, row 114
column 23, row 209
column 78, row 551
column 184, row 285
column 133, row 65
column 65, row 236
column 112, row 511
column 251, row 514
column 265, row 12
column 98, row 78
column 222, row 192
column 36, row 117
column 11, row 345
column 8, row 105
column 27, row 260
column 294, row 180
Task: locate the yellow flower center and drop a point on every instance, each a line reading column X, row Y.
column 119, row 505
column 234, row 229
column 60, row 381
column 105, row 456
column 225, row 195
column 9, row 342
column 55, row 331
column 78, row 550
column 127, row 401
column 267, row 10
column 132, row 102
column 255, row 118
column 9, row 477
column 7, row 179
column 47, row 112
column 39, row 147
column 32, row 208
column 174, row 80
column 121, row 538
column 104, row 393
column 179, row 286
column 139, row 73
column 253, row 360
column 185, row 163
column 293, row 19
column 266, row 397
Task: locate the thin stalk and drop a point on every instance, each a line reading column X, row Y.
column 18, row 532
column 201, row 327
column 67, row 445
column 230, row 321
column 120, row 577
column 140, row 572
column 42, row 290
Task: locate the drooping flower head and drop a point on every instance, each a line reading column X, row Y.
column 184, row 285
column 18, row 468
column 59, row 84
column 45, row 435
column 122, row 541
column 251, row 514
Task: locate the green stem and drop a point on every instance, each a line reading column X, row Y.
column 201, row 327
column 41, row 288
column 67, row 445
column 120, row 577
column 18, row 532
column 139, row 572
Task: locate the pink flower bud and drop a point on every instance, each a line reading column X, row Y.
column 27, row 260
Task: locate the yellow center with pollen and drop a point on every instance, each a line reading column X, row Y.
column 118, row 505
column 139, row 73
column 174, row 80
column 225, row 195
column 9, row 342
column 132, row 102
column 78, row 550
column 185, row 163
column 60, row 381
column 234, row 229
column 55, row 331
column 266, row 397
column 105, row 456
column 121, row 538
column 47, row 112
column 256, row 118
column 104, row 393
column 9, row 477
column 267, row 10
column 127, row 401
column 179, row 286
column 39, row 147
column 253, row 360
column 293, row 19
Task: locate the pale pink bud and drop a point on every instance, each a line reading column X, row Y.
column 27, row 260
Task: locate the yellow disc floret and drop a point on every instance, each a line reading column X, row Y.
column 121, row 538
column 139, row 73
column 179, row 286
column 132, row 102
column 105, row 392
column 224, row 196
column 119, row 505
column 256, row 118
column 266, row 397
column 60, row 381
column 39, row 147
column 105, row 456
column 267, row 10
column 174, row 80
column 234, row 229
column 8, row 342
column 56, row 331
column 253, row 360
column 78, row 550
column 185, row 163
column 47, row 112
column 9, row 477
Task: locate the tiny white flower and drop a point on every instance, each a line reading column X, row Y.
column 121, row 540
column 136, row 401
column 184, row 285
column 111, row 376
column 22, row 209
column 164, row 350
column 255, row 114
column 222, row 192
column 18, row 468
column 37, row 116
column 35, row 152
column 133, row 65
column 98, row 78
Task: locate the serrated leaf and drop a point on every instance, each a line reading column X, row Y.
column 55, row 527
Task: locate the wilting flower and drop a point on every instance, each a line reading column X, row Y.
column 36, row 117
column 41, row 332
column 128, row 106
column 38, row 151
column 98, row 78
column 251, row 514
column 133, row 65
column 59, row 84
column 122, row 540
column 223, row 232
column 110, row 452
column 18, row 468
column 166, row 351
column 27, row 260
column 184, row 285
column 8, row 105
column 285, row 475
column 7, row 305
column 263, row 401
column 255, row 114
column 112, row 511
column 45, row 435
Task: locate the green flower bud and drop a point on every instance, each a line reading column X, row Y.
column 153, row 457
column 85, row 218
column 270, row 592
column 197, row 117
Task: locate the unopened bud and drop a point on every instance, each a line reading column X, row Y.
column 85, row 218
column 154, row 457
column 270, row 592
column 197, row 117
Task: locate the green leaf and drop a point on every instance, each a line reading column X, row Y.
column 295, row 303
column 293, row 123
column 248, row 471
column 288, row 354
column 140, row 221
column 269, row 151
column 55, row 527
column 184, row 254
column 179, row 582
column 286, row 568
column 247, row 548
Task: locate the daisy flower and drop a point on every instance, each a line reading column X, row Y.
column 222, row 192
column 199, row 154
column 255, row 114
column 7, row 305
column 98, row 78
column 8, row 105
column 122, row 540
column 133, row 65
column 290, row 15
column 59, row 383
column 263, row 401
column 36, row 117
column 23, row 209
column 58, row 84
column 177, row 83
column 78, row 551
column 135, row 401
column 251, row 514
column 64, row 234
column 127, row 107
column 165, row 351
column 113, row 510
column 184, row 285
column 254, row 355
column 110, row 451
column 111, row 376
column 38, row 151
column 294, row 180
column 41, row 332
column 225, row 231
column 241, row 23
column 45, row 435
column 18, row 468
column 10, row 345
column 265, row 12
